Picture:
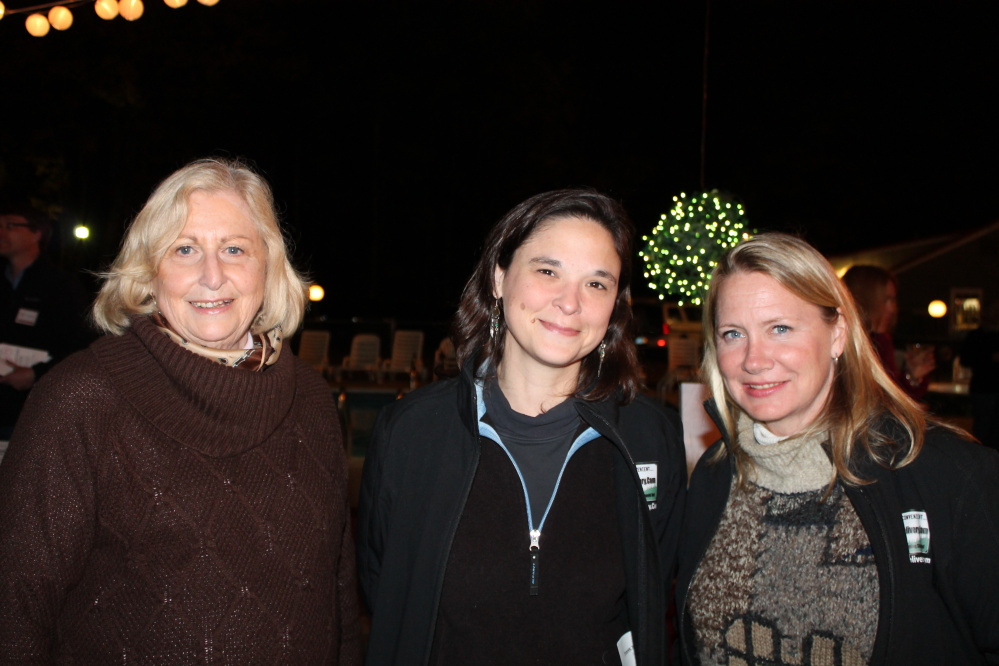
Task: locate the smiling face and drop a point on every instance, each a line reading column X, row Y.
column 775, row 351
column 558, row 295
column 210, row 283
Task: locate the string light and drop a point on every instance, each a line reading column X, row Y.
column 37, row 25
column 61, row 18
column 684, row 247
column 131, row 10
column 106, row 9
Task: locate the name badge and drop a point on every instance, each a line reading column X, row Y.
column 917, row 534
column 626, row 650
column 649, row 474
column 26, row 317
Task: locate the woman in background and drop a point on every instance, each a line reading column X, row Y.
column 832, row 523
column 176, row 493
column 875, row 291
column 527, row 510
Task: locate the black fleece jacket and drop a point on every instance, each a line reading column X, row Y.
column 938, row 607
column 419, row 469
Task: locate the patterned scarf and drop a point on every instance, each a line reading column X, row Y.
column 265, row 351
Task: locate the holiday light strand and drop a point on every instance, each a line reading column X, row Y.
column 60, row 17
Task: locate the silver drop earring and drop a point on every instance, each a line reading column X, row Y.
column 494, row 320
column 601, row 350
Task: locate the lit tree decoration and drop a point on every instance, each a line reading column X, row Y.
column 685, row 246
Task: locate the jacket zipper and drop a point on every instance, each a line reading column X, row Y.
column 535, row 552
column 534, row 533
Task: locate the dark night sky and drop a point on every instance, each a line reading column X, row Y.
column 395, row 133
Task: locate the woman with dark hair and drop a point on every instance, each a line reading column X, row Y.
column 833, row 523
column 527, row 510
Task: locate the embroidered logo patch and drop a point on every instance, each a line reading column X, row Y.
column 649, row 474
column 917, row 533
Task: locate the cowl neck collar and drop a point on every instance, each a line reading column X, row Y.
column 193, row 400
column 790, row 465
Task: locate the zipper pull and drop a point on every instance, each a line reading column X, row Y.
column 535, row 551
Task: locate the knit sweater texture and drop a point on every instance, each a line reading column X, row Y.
column 789, row 577
column 158, row 507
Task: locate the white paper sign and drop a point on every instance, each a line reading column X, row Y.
column 23, row 356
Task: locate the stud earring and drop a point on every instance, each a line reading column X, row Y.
column 494, row 320
column 601, row 350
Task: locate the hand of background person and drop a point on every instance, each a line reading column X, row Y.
column 21, row 378
column 920, row 360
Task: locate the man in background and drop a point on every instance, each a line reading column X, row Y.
column 41, row 307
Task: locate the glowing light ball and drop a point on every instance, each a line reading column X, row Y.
column 209, row 3
column 106, row 9
column 2, row 10
column 937, row 309
column 175, row 3
column 130, row 10
column 37, row 25
column 316, row 293
column 81, row 232
column 685, row 245
column 60, row 18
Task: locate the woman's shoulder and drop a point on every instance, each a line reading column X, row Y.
column 947, row 463
column 432, row 397
column 648, row 428
column 78, row 389
column 309, row 380
column 79, row 370
column 425, row 423
column 646, row 411
column 946, row 451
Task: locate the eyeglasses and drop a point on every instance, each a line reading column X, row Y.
column 7, row 225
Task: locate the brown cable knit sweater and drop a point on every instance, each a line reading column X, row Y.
column 156, row 507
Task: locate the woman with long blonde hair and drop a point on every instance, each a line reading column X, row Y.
column 832, row 523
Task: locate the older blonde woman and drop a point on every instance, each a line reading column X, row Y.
column 177, row 492
column 832, row 524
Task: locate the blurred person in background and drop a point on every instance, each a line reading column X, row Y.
column 833, row 523
column 41, row 307
column 875, row 291
column 980, row 352
column 178, row 491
